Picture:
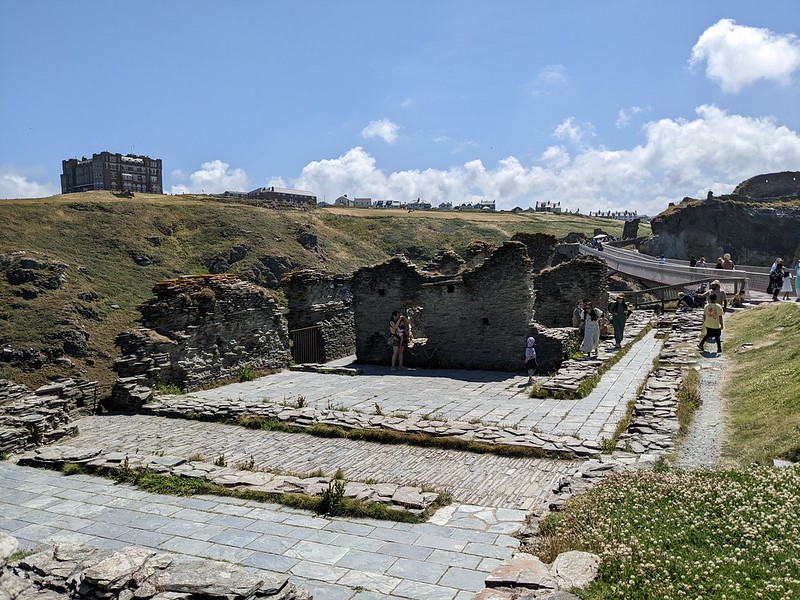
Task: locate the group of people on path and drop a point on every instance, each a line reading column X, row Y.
column 592, row 321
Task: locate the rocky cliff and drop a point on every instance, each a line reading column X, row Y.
column 754, row 228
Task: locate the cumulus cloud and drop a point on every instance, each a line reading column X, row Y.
column 678, row 157
column 737, row 56
column 213, row 177
column 14, row 184
column 384, row 129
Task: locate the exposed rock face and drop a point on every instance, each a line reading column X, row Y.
column 770, row 186
column 29, row 419
column 269, row 270
column 36, row 273
column 66, row 571
column 199, row 329
column 753, row 233
column 631, row 229
column 323, row 302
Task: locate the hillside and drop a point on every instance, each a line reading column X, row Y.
column 93, row 258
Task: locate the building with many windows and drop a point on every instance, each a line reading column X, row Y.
column 276, row 194
column 114, row 172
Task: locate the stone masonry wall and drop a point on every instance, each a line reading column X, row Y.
column 478, row 320
column 559, row 288
column 317, row 298
column 200, row 329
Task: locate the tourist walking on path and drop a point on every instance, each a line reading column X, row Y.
column 727, row 263
column 591, row 329
column 701, row 263
column 619, row 313
column 712, row 321
column 530, row 359
column 398, row 331
column 775, row 279
column 722, row 297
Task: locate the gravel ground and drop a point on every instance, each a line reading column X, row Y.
column 703, row 445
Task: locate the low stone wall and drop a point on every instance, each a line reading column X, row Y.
column 64, row 571
column 200, row 329
column 398, row 497
column 188, row 406
column 29, row 419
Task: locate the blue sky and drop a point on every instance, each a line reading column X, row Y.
column 601, row 105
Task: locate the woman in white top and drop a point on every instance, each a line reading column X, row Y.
column 591, row 329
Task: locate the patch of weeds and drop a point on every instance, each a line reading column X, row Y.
column 434, row 416
column 340, row 407
column 196, row 458
column 689, row 400
column 315, row 473
column 19, row 555
column 71, row 469
column 300, row 402
column 400, row 415
column 378, row 410
column 164, row 389
column 332, row 497
column 248, row 465
column 220, row 461
column 339, row 474
column 247, row 373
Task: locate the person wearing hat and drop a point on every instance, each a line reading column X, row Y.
column 722, row 297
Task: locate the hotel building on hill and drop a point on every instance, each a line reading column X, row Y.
column 114, row 172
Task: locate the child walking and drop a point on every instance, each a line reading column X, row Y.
column 530, row 359
column 787, row 284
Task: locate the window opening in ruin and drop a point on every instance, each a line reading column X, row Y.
column 416, row 325
column 450, row 288
column 485, row 321
column 381, row 292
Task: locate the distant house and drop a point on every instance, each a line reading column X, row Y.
column 392, row 204
column 446, row 206
column 343, row 201
column 618, row 215
column 516, row 209
column 362, row 202
column 378, row 204
column 547, row 206
column 418, row 205
column 114, row 172
column 286, row 196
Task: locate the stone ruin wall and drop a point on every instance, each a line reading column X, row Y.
column 31, row 418
column 324, row 300
column 559, row 288
column 770, row 186
column 200, row 329
column 478, row 320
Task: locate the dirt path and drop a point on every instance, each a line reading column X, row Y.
column 703, row 445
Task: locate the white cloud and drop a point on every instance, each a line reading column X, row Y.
column 737, row 56
column 14, row 184
column 384, row 129
column 677, row 158
column 214, row 177
column 569, row 131
column 553, row 74
column 625, row 115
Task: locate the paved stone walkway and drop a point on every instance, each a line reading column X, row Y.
column 448, row 557
column 489, row 397
column 362, row 559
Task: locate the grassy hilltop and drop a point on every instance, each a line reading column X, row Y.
column 105, row 241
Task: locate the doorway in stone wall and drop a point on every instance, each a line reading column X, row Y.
column 307, row 345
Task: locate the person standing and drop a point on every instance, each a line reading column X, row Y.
column 796, row 279
column 530, row 359
column 786, row 288
column 397, row 329
column 701, row 263
column 712, row 321
column 591, row 329
column 775, row 279
column 577, row 313
column 727, row 263
column 619, row 314
column 722, row 296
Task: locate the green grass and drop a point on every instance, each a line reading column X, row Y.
column 331, row 503
column 762, row 389
column 689, row 400
column 695, row 534
column 389, row 436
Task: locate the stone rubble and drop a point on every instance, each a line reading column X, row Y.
column 65, row 571
column 28, row 419
column 410, row 499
